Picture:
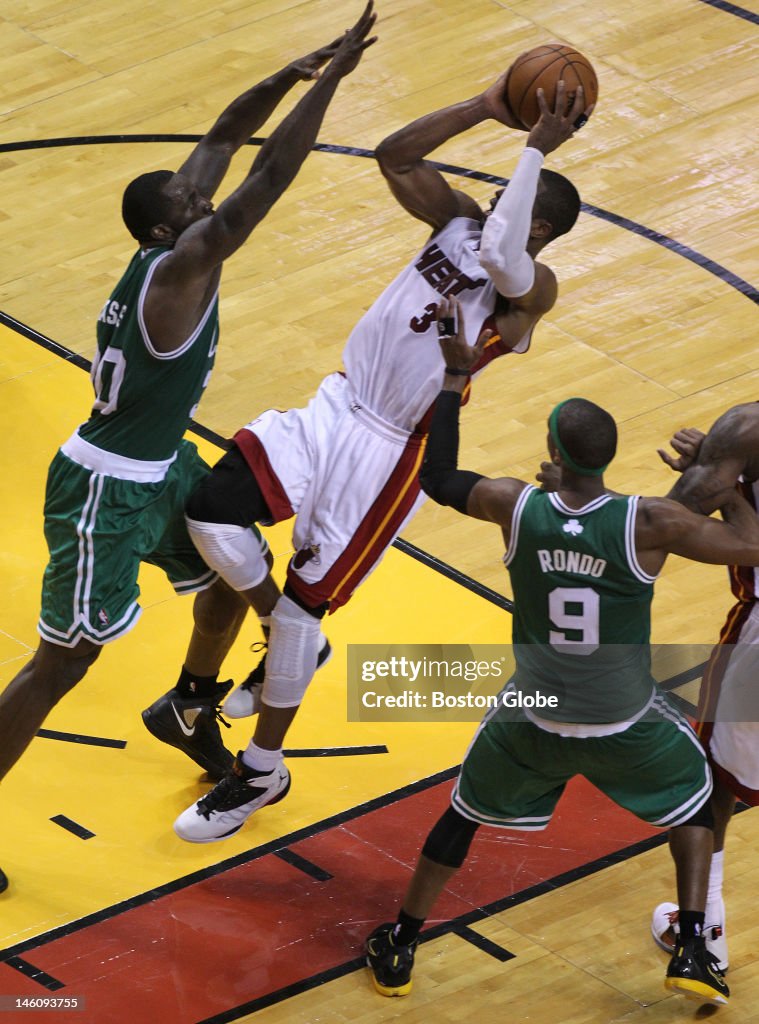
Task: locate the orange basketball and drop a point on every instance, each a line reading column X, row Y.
column 541, row 68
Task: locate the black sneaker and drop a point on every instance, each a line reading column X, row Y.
column 693, row 972
column 391, row 965
column 246, row 699
column 224, row 810
column 191, row 724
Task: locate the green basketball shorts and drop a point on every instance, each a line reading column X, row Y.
column 98, row 529
column 514, row 772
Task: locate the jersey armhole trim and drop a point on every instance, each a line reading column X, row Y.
column 186, row 345
column 632, row 554
column 515, row 521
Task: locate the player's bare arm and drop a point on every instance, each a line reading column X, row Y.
column 665, row 527
column 209, row 161
column 711, row 466
column 418, row 186
column 186, row 280
column 517, row 317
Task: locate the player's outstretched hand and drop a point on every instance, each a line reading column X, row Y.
column 307, row 68
column 354, row 42
column 498, row 107
column 686, row 443
column 554, row 127
column 458, row 353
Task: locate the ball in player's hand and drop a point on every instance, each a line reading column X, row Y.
column 541, row 68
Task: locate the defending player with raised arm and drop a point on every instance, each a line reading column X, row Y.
column 200, row 239
column 582, row 563
column 117, row 488
column 727, row 724
column 663, row 526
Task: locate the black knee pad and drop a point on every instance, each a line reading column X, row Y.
column 449, row 841
column 318, row 611
column 229, row 494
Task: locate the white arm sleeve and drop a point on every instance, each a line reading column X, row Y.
column 507, row 230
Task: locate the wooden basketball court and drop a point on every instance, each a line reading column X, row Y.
column 656, row 321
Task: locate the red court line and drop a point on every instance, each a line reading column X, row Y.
column 264, row 926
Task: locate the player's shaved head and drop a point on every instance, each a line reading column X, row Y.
column 585, row 432
column 558, row 202
column 145, row 204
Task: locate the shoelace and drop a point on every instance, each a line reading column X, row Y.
column 217, row 797
column 217, row 712
column 261, row 646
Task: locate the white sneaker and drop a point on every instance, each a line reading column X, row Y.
column 664, row 928
column 245, row 700
column 230, row 803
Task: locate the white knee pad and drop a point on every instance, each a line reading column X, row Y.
column 237, row 553
column 291, row 658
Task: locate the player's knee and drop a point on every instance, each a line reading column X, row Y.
column 61, row 668
column 292, row 655
column 218, row 609
column 237, row 553
column 449, row 841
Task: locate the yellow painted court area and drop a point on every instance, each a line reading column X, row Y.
column 661, row 340
column 129, row 797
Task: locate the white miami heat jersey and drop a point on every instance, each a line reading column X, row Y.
column 392, row 358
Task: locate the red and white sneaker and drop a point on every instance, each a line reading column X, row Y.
column 665, row 929
column 230, row 803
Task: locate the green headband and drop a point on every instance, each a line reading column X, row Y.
column 553, row 427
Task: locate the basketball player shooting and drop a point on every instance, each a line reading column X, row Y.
column 347, row 465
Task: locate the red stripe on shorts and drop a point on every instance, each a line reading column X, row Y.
column 274, row 493
column 372, row 537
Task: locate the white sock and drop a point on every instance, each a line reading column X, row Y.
column 259, row 759
column 714, row 892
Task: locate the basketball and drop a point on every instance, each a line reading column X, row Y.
column 541, row 68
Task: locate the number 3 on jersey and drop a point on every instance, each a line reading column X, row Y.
column 107, row 376
column 574, row 610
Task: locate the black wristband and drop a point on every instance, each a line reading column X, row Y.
column 457, row 373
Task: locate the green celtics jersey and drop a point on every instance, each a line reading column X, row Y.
column 582, row 607
column 144, row 399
